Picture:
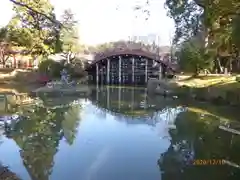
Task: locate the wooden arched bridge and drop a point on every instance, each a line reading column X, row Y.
column 130, row 63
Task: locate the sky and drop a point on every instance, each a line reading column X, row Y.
column 102, row 21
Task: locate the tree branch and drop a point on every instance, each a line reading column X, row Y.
column 33, row 10
column 200, row 3
column 230, row 14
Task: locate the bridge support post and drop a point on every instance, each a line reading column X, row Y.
column 97, row 93
column 119, row 98
column 160, row 72
column 108, row 97
column 120, row 69
column 132, row 99
column 108, row 71
column 97, row 73
column 145, row 99
column 146, row 70
column 133, row 75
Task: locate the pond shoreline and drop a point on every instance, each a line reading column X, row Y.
column 219, row 97
column 6, row 174
column 221, row 90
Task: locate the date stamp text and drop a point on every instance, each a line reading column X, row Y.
column 212, row 162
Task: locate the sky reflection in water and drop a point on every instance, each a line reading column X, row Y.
column 109, row 145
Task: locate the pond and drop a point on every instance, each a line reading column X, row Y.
column 120, row 134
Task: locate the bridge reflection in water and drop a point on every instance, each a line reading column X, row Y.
column 133, row 104
column 117, row 130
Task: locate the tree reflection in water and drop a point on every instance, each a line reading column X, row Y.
column 192, row 135
column 199, row 137
column 38, row 135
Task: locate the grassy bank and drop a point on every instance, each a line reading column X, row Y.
column 216, row 88
column 17, row 76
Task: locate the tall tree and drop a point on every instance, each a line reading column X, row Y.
column 192, row 57
column 41, row 32
column 4, row 46
column 187, row 17
column 27, row 5
column 69, row 35
column 214, row 20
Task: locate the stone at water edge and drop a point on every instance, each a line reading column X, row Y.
column 238, row 78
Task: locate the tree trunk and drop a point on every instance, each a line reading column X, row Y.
column 219, row 66
column 4, row 59
column 230, row 65
column 196, row 72
column 68, row 57
column 238, row 64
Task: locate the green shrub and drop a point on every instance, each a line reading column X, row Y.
column 51, row 68
column 238, row 78
column 76, row 70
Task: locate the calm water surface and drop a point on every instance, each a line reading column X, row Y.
column 120, row 134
